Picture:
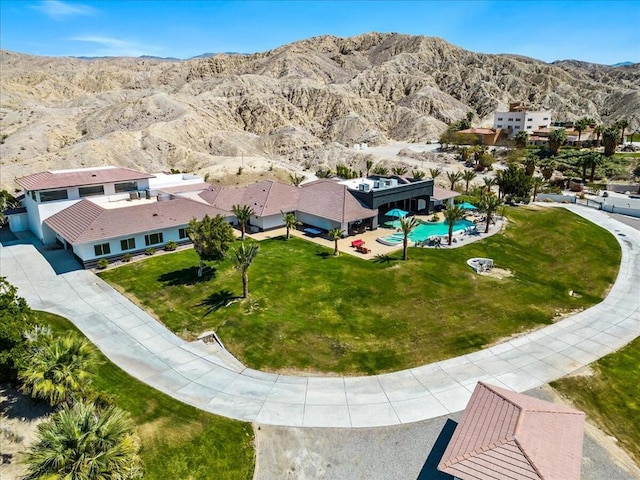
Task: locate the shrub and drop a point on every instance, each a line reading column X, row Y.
column 127, row 257
column 150, row 251
column 171, row 246
column 103, row 263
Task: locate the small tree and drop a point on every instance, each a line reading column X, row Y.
column 452, row 214
column 368, row 165
column 622, row 126
column 242, row 258
column 610, row 140
column 417, row 174
column 296, row 179
column 454, row 178
column 435, row 172
column 243, row 214
column 488, row 183
column 335, row 234
column 290, row 222
column 521, row 139
column 581, row 125
column 85, row 442
column 536, row 184
column 58, row 368
column 211, row 238
column 400, row 171
column 381, row 170
column 15, row 318
column 407, row 225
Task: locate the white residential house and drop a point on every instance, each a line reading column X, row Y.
column 520, row 118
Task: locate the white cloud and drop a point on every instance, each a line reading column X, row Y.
column 58, row 10
column 115, row 47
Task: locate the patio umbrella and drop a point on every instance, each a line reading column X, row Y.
column 467, row 206
column 396, row 212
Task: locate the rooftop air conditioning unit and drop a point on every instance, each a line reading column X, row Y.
column 376, row 184
column 393, row 182
column 364, row 187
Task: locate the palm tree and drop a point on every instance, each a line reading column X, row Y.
column 454, row 177
column 290, row 222
column 452, row 214
column 407, row 225
column 595, row 160
column 335, row 234
column 400, row 171
column 368, row 164
column 489, row 204
column 381, row 170
column 598, row 129
column 521, row 139
column 547, row 167
column 85, row 442
column 435, row 172
column 296, row 179
column 581, row 125
column 57, row 368
column 243, row 213
column 488, row 183
column 467, row 176
column 536, row 184
column 242, row 259
column 530, row 163
column 622, row 125
column 417, row 174
column 556, row 140
column 610, row 140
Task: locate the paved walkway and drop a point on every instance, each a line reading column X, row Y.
column 197, row 374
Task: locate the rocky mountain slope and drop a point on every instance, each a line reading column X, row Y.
column 306, row 102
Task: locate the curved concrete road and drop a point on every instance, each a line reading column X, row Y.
column 212, row 380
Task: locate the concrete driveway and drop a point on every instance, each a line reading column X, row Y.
column 209, row 378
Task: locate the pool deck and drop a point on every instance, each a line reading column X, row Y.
column 370, row 236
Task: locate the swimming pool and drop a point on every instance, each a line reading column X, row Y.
column 425, row 230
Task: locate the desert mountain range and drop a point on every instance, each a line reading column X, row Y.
column 304, row 103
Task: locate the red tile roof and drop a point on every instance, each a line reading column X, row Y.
column 266, row 198
column 443, row 193
column 80, row 177
column 328, row 199
column 478, row 131
column 86, row 221
column 505, row 435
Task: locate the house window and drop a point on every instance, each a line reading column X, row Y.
column 545, row 118
column 510, row 119
column 529, row 127
column 499, row 119
column 182, row 233
column 517, row 127
column 153, row 239
column 102, row 249
column 33, row 195
column 518, row 119
column 53, row 195
column 90, row 191
column 529, row 119
column 126, row 187
column 498, row 126
column 127, row 244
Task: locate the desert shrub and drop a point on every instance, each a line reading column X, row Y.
column 150, row 251
column 171, row 246
column 127, row 257
column 102, row 263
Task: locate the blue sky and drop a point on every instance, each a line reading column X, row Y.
column 592, row 30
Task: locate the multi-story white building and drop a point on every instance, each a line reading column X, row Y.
column 519, row 118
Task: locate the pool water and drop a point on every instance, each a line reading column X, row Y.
column 425, row 230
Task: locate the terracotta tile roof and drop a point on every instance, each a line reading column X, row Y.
column 266, row 198
column 328, row 199
column 79, row 177
column 443, row 193
column 478, row 131
column 505, row 435
column 86, row 221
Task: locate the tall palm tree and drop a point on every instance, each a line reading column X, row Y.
column 580, row 126
column 368, row 165
column 242, row 258
column 556, row 140
column 598, row 129
column 243, row 213
column 467, row 176
column 452, row 214
column 407, row 225
column 530, row 163
column 84, row 442
column 536, row 184
column 595, row 160
column 454, row 177
column 435, row 172
column 610, row 140
column 290, row 222
column 58, row 368
column 622, row 125
column 489, row 205
column 335, row 234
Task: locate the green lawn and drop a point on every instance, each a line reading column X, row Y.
column 178, row 441
column 310, row 311
column 611, row 396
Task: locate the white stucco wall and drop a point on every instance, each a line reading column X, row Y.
column 319, row 222
column 268, row 222
column 19, row 222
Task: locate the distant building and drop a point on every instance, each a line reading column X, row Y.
column 520, row 118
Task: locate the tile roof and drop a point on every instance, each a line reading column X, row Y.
column 86, row 221
column 505, row 435
column 478, row 131
column 266, row 198
column 328, row 199
column 443, row 193
column 79, row 177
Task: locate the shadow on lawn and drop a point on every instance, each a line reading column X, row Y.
column 187, row 276
column 218, row 300
column 381, row 258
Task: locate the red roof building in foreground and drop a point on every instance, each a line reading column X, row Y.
column 505, row 435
